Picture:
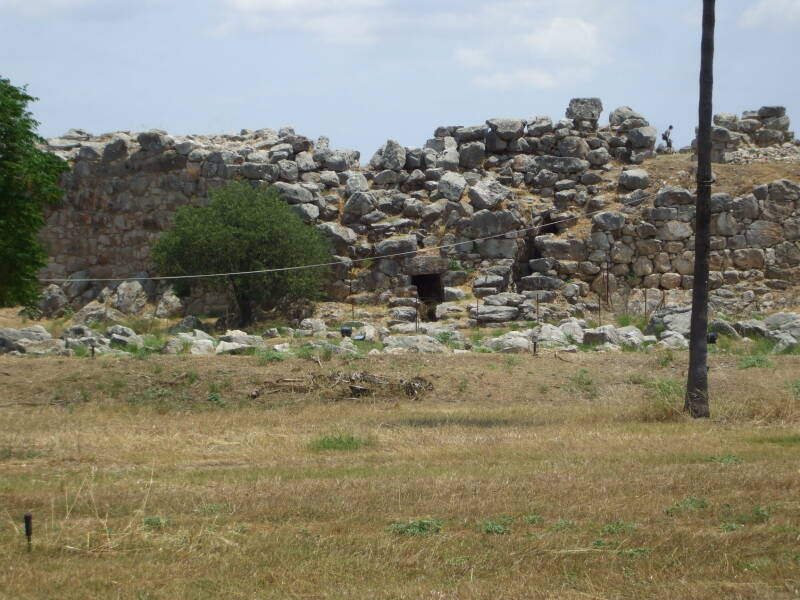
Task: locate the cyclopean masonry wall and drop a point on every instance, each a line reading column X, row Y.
column 567, row 226
column 734, row 139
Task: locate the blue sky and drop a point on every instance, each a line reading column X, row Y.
column 363, row 71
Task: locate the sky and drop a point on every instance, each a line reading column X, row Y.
column 364, row 71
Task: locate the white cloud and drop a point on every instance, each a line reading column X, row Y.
column 537, row 47
column 353, row 22
column 771, row 13
column 473, row 58
column 506, row 80
column 565, row 38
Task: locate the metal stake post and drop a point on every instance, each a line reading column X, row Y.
column 352, row 300
column 28, row 529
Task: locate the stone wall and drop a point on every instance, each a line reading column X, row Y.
column 543, row 192
column 769, row 126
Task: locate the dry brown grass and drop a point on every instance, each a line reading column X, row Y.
column 141, row 487
column 676, row 169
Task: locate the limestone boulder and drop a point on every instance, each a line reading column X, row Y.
column 129, row 298
column 404, row 244
column 488, row 194
column 394, row 156
column 97, row 312
column 242, row 337
column 550, row 336
column 40, row 347
column 293, row 193
column 472, row 155
column 514, row 342
column 671, row 340
column 507, row 129
column 764, row 234
column 674, row 231
column 493, row 314
column 169, row 305
column 634, row 179
column 358, row 205
column 452, row 185
column 605, row 334
column 339, row 236
column 504, row 299
column 642, row 137
column 414, row 344
column 53, row 301
column 403, row 313
column 609, row 220
column 676, row 319
column 122, row 336
column 585, row 109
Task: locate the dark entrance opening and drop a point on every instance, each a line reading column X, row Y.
column 430, row 292
column 522, row 269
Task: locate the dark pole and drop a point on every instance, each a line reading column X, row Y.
column 696, row 402
column 28, row 519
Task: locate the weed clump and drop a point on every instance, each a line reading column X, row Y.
column 417, row 527
column 689, row 504
column 500, row 526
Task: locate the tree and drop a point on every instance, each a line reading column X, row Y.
column 245, row 229
column 696, row 402
column 28, row 182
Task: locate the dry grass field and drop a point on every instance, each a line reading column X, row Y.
column 570, row 476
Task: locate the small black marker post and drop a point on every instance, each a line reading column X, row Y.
column 28, row 529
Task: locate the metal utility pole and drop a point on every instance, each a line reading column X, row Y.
column 696, row 402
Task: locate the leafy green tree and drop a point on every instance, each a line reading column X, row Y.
column 28, row 181
column 245, row 229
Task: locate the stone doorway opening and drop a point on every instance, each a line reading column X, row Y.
column 532, row 251
column 430, row 291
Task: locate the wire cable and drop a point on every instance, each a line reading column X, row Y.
column 633, row 202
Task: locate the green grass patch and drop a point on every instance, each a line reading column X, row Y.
column 783, row 440
column 417, row 527
column 690, row 504
column 582, row 384
column 533, row 519
column 636, row 320
column 728, row 459
column 449, row 339
column 618, row 528
column 12, row 454
column 755, row 362
column 364, row 346
column 667, row 388
column 562, row 525
column 338, row 441
column 665, row 359
column 265, row 357
column 155, row 523
column 499, row 526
